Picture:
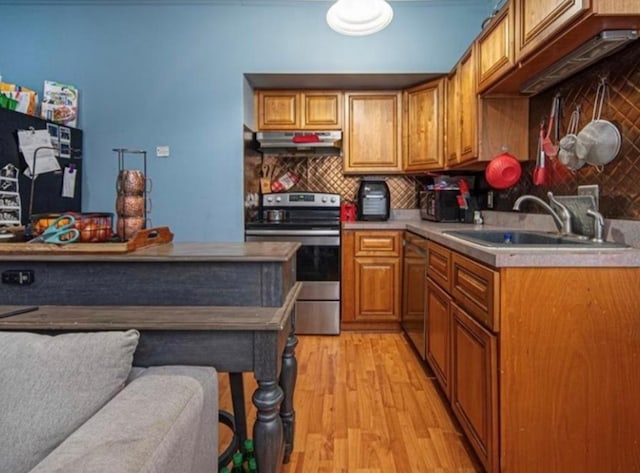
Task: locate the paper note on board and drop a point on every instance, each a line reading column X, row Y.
column 37, row 144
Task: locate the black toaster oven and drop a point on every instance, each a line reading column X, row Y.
column 439, row 205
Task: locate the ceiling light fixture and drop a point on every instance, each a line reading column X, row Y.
column 359, row 17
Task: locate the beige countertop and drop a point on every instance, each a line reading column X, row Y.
column 202, row 252
column 507, row 257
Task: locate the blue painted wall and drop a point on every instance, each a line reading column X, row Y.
column 170, row 72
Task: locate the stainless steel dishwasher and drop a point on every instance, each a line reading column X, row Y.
column 414, row 267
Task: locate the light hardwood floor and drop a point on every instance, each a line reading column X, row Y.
column 365, row 405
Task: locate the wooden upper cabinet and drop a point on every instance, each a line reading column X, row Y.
column 424, row 127
column 546, row 31
column 495, row 49
column 538, row 22
column 479, row 128
column 299, row 110
column 468, row 106
column 452, row 121
column 322, row 110
column 278, row 110
column 373, row 132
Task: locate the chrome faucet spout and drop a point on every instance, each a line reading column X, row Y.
column 563, row 223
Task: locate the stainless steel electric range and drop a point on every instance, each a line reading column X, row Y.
column 313, row 219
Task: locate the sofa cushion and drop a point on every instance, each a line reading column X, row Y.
column 164, row 421
column 50, row 385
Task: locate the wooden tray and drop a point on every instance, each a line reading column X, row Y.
column 142, row 239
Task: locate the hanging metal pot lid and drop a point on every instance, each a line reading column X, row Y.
column 598, row 143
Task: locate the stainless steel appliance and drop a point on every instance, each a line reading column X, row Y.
column 413, row 291
column 374, row 199
column 313, row 219
column 300, row 142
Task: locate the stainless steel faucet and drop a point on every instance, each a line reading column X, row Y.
column 598, row 225
column 562, row 221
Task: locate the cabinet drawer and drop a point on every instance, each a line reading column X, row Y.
column 477, row 289
column 378, row 243
column 439, row 265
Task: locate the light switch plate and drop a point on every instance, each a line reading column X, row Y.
column 591, row 189
column 162, row 151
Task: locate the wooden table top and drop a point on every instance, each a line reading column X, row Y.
column 199, row 252
column 63, row 317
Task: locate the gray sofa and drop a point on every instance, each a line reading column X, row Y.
column 75, row 407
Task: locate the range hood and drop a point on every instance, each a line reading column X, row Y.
column 604, row 44
column 300, row 143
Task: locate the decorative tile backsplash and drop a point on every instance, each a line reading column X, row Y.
column 619, row 181
column 324, row 174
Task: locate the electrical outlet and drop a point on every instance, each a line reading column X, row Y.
column 593, row 190
column 19, row 277
column 490, row 202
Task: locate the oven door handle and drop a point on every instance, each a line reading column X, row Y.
column 310, row 232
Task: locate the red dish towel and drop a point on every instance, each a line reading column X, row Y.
column 310, row 138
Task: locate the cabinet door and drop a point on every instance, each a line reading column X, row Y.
column 413, row 291
column 371, row 290
column 372, row 139
column 452, row 113
column 537, row 22
column 468, row 107
column 278, row 110
column 495, row 49
column 474, row 396
column 424, row 127
column 377, row 289
column 322, row 110
column 438, row 307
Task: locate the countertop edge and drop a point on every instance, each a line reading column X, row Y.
column 504, row 258
column 248, row 252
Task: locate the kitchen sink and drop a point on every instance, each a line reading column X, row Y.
column 528, row 239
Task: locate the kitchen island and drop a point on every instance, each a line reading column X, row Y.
column 226, row 305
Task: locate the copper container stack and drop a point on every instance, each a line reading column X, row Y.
column 132, row 202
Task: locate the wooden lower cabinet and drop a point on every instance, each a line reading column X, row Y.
column 371, row 283
column 474, row 396
column 540, row 365
column 439, row 335
column 377, row 281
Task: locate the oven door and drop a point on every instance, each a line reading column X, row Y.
column 318, row 268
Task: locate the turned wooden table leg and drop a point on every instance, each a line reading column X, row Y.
column 267, row 430
column 288, row 377
column 237, row 398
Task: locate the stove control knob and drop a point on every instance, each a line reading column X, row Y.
column 269, row 199
column 333, row 199
column 278, row 199
column 324, row 200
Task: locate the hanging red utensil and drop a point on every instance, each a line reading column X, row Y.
column 556, row 172
column 548, row 147
column 540, row 172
